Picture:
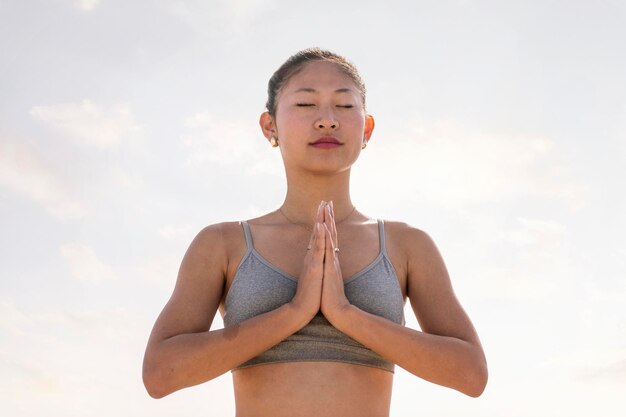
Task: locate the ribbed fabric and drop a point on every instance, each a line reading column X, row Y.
column 259, row 287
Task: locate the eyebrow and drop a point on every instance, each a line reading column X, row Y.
column 313, row 90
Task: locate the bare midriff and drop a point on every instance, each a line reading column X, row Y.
column 312, row 389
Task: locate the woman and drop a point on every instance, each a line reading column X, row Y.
column 312, row 294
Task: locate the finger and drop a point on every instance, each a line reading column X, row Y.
column 317, row 219
column 330, row 246
column 332, row 227
column 320, row 212
column 320, row 242
column 331, row 260
column 312, row 239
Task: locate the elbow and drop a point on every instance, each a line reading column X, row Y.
column 154, row 382
column 155, row 392
column 476, row 381
column 154, row 389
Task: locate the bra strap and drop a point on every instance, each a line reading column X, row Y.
column 246, row 231
column 381, row 237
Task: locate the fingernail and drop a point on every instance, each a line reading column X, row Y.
column 331, row 204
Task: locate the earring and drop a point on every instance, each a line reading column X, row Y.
column 274, row 141
column 363, row 145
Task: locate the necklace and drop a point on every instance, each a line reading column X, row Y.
column 310, row 229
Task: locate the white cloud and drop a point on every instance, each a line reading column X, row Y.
column 228, row 143
column 513, row 283
column 593, row 361
column 66, row 360
column 453, row 168
column 23, row 170
column 160, row 271
column 181, row 231
column 221, row 17
column 615, row 371
column 86, row 5
column 247, row 10
column 529, row 260
column 85, row 265
column 536, row 232
column 87, row 124
column 12, row 319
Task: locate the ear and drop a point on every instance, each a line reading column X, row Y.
column 368, row 128
column 266, row 121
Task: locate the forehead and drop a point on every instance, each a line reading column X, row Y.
column 319, row 75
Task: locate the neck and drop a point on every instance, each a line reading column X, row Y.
column 305, row 192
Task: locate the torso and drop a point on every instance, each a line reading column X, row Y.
column 313, row 388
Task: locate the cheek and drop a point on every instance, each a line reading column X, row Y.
column 357, row 121
column 287, row 121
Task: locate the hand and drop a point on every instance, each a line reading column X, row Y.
column 334, row 300
column 309, row 292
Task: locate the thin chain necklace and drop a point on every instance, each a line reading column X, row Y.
column 310, row 229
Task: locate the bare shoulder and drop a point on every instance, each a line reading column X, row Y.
column 215, row 243
column 223, row 234
column 217, row 234
column 412, row 243
column 405, row 245
column 406, row 235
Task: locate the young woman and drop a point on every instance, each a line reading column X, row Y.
column 312, row 294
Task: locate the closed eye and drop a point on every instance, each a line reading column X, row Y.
column 347, row 106
column 305, row 104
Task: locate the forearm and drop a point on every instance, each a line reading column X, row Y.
column 443, row 360
column 193, row 358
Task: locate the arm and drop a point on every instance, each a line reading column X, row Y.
column 182, row 351
column 447, row 351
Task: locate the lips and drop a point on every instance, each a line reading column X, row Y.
column 326, row 139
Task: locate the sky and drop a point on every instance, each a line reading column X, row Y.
column 127, row 127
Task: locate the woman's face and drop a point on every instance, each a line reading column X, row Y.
column 320, row 103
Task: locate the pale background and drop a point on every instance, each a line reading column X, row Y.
column 127, row 126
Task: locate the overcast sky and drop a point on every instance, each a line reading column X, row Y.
column 128, row 126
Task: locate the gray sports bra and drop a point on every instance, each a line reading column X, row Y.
column 259, row 287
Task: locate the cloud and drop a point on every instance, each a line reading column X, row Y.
column 160, row 271
column 513, row 283
column 24, row 171
column 85, row 265
column 181, row 231
column 594, row 360
column 125, row 179
column 12, row 319
column 228, row 143
column 223, row 18
column 67, row 358
column 88, row 125
column 86, row 5
column 527, row 260
column 72, row 362
column 449, row 167
column 543, row 233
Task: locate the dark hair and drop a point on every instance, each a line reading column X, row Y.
column 295, row 63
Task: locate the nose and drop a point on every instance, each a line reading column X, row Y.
column 327, row 120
